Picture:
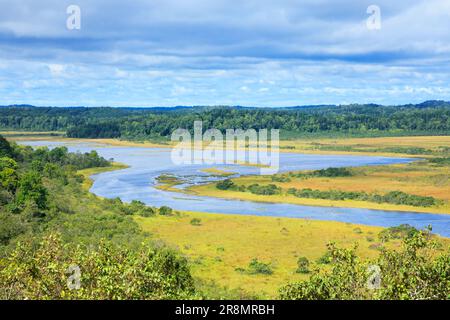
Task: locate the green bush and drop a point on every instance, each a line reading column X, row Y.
column 302, row 265
column 398, row 232
column 270, row 189
column 225, row 184
column 165, row 211
column 393, row 197
column 416, row 271
column 106, row 272
column 196, row 222
column 257, row 267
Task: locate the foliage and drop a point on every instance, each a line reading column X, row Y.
column 269, row 189
column 31, row 189
column 417, row 271
column 165, row 211
column 5, row 148
column 147, row 123
column 107, row 272
column 393, row 197
column 332, row 172
column 225, row 184
column 302, row 265
column 280, row 178
column 196, row 222
column 258, row 267
column 441, row 161
column 398, row 232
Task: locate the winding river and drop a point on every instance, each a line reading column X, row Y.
column 145, row 164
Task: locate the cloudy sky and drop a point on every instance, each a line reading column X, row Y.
column 223, row 52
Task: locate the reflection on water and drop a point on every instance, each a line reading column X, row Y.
column 146, row 164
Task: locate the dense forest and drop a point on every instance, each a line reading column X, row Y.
column 432, row 117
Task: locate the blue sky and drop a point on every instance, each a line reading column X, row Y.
column 223, row 52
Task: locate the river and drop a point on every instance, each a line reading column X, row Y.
column 145, row 164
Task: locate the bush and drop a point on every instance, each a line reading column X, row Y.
column 270, row 189
column 303, row 265
column 258, row 267
column 196, row 222
column 165, row 211
column 416, row 271
column 106, row 272
column 399, row 232
column 325, row 258
column 332, row 172
column 393, row 197
column 225, row 184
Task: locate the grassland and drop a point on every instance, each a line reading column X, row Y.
column 382, row 146
column 223, row 243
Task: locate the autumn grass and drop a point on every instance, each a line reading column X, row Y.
column 223, row 243
column 418, row 178
column 365, row 146
column 218, row 172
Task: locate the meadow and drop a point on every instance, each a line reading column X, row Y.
column 220, row 247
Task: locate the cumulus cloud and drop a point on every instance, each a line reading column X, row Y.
column 248, row 52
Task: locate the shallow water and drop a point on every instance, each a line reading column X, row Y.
column 138, row 183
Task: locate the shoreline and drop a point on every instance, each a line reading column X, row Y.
column 304, row 149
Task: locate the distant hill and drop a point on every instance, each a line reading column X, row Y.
column 425, row 104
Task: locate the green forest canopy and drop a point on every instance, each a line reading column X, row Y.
column 432, row 117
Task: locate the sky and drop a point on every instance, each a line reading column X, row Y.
column 223, row 52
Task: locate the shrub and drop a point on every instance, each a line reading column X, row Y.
column 416, row 271
column 106, row 272
column 270, row 189
column 225, row 184
column 257, row 267
column 303, row 265
column 332, row 172
column 398, row 232
column 196, row 222
column 165, row 211
column 325, row 258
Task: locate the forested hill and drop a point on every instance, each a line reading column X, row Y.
column 431, row 117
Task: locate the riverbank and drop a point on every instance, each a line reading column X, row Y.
column 419, row 178
column 404, row 146
column 88, row 173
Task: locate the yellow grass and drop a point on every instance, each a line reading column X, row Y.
column 307, row 145
column 419, row 178
column 218, row 172
column 223, row 243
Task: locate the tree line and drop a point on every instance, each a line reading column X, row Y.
column 140, row 124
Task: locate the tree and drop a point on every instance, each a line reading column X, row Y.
column 31, row 189
column 8, row 174
column 5, row 148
